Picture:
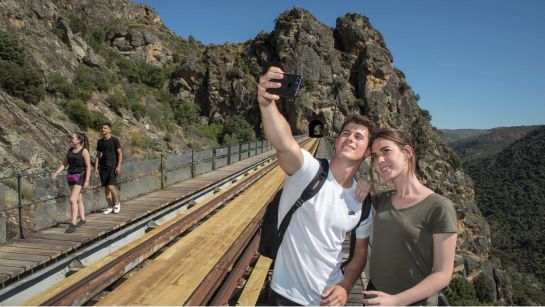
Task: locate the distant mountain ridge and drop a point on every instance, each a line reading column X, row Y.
column 451, row 135
column 471, row 144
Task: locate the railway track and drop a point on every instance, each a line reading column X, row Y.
column 198, row 258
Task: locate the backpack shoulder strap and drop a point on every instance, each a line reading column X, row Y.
column 312, row 188
column 366, row 208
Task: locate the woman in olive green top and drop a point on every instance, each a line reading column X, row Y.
column 414, row 229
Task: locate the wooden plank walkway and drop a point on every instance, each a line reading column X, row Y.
column 24, row 256
column 172, row 277
column 260, row 278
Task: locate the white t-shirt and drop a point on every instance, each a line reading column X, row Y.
column 309, row 258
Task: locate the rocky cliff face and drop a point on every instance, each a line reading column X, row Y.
column 346, row 69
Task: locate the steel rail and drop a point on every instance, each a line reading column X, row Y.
column 204, row 292
column 230, row 283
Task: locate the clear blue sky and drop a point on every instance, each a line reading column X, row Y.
column 474, row 63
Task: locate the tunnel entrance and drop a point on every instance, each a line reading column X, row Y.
column 316, row 129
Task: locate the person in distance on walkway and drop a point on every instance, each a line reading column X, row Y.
column 414, row 229
column 307, row 266
column 79, row 170
column 108, row 165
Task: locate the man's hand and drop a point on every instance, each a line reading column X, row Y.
column 335, row 295
column 118, row 170
column 362, row 189
column 95, row 173
column 263, row 97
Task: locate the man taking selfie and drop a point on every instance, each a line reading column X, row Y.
column 307, row 270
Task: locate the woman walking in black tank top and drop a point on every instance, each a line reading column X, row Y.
column 79, row 169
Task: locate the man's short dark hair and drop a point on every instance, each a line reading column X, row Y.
column 359, row 119
column 106, row 124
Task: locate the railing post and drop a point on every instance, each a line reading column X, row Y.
column 162, row 172
column 20, row 204
column 228, row 155
column 213, row 159
column 239, row 152
column 192, row 166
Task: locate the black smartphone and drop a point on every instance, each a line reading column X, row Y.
column 290, row 86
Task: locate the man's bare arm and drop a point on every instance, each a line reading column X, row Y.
column 276, row 127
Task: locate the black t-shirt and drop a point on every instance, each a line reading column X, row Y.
column 108, row 148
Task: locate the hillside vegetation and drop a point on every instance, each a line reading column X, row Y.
column 510, row 192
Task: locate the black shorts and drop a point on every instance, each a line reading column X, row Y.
column 107, row 176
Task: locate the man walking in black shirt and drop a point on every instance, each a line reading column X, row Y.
column 108, row 165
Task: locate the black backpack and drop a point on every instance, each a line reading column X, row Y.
column 271, row 236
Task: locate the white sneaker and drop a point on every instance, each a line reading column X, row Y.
column 108, row 210
column 117, row 207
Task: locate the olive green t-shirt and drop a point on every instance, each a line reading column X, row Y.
column 402, row 250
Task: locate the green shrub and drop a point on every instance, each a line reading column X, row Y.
column 128, row 70
column 97, row 119
column 23, row 82
column 150, row 75
column 461, row 292
column 213, row 131
column 77, row 24
column 485, row 289
column 93, row 79
column 340, row 84
column 454, row 159
column 117, row 126
column 426, row 114
column 95, row 37
column 139, row 110
column 347, row 60
column 186, row 113
column 117, row 100
column 138, row 140
column 11, row 50
column 233, row 73
column 58, row 83
column 237, row 130
column 78, row 113
column 17, row 77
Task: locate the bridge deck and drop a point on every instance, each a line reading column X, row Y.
column 20, row 257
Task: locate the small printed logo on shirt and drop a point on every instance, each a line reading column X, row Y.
column 351, row 212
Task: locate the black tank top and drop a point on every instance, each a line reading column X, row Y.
column 76, row 163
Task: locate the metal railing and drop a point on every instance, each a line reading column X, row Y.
column 34, row 200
